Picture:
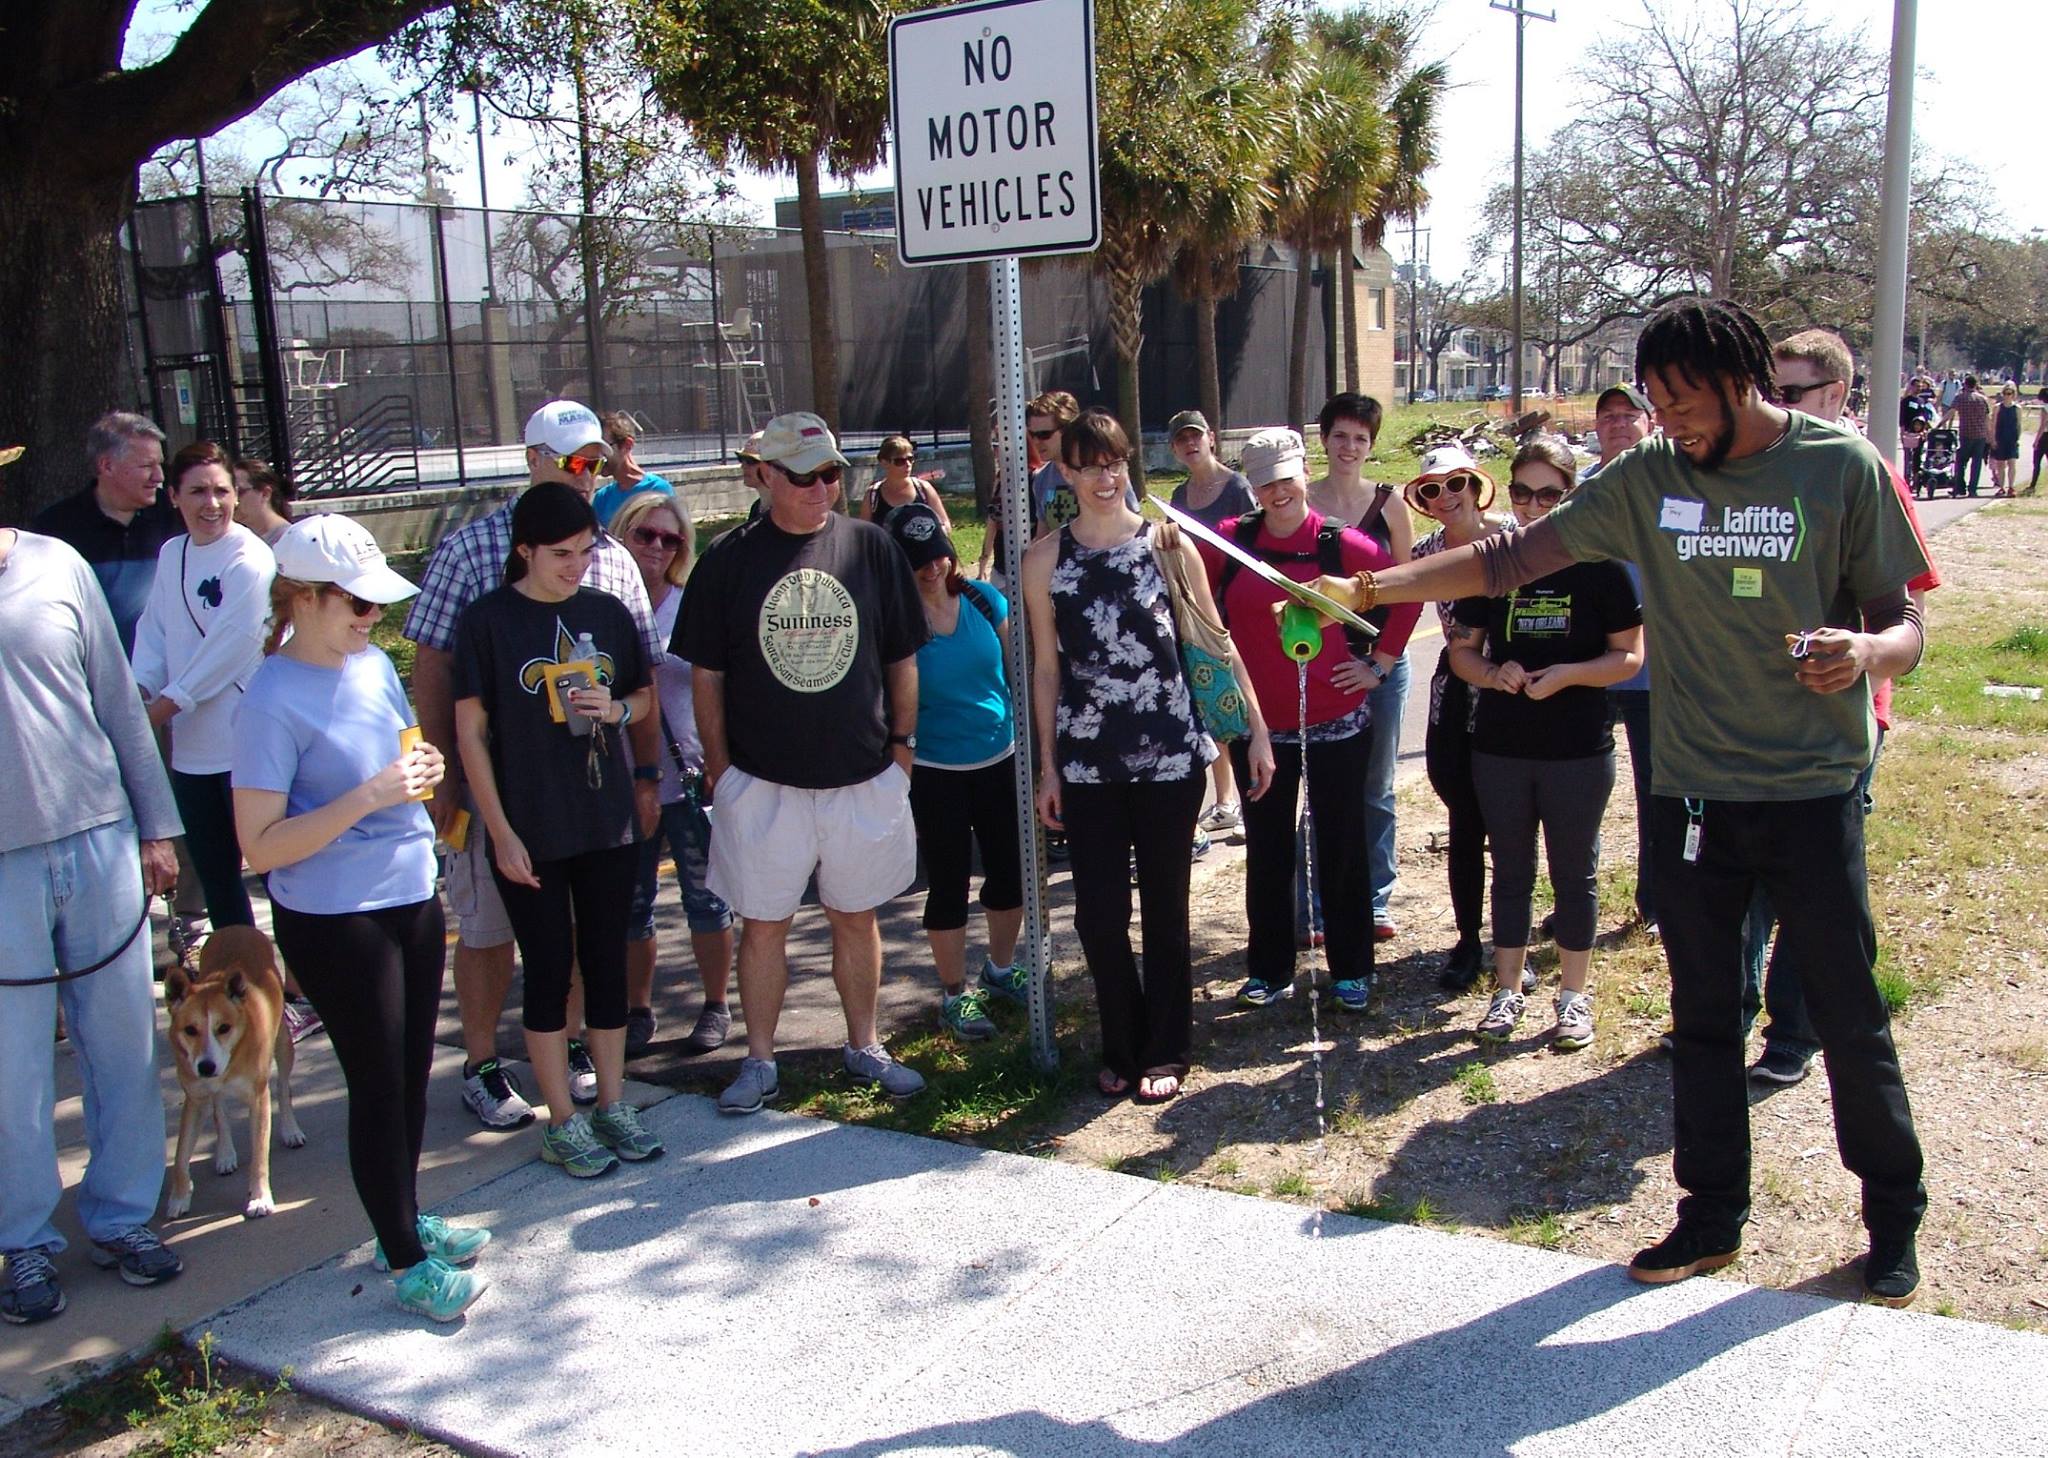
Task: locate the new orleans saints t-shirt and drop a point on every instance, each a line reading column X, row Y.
column 1791, row 538
column 1564, row 617
column 505, row 642
column 802, row 627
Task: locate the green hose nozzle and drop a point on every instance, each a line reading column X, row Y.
column 1301, row 632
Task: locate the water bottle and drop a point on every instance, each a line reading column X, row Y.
column 585, row 651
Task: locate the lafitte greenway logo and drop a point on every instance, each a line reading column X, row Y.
column 1758, row 533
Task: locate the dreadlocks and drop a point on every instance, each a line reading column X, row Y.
column 1708, row 341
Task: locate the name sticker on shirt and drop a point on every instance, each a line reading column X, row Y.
column 1748, row 582
column 1681, row 515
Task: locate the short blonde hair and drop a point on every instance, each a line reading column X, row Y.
column 643, row 504
column 1821, row 348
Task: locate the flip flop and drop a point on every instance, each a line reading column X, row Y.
column 1156, row 1097
column 1111, row 1084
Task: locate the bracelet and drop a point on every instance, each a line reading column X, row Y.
column 648, row 772
column 1369, row 589
column 625, row 712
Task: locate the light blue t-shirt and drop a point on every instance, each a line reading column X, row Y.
column 315, row 734
column 964, row 718
column 608, row 498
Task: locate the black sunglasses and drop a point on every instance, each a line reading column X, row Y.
column 356, row 605
column 827, row 475
column 1545, row 496
column 1793, row 394
column 1043, row 434
column 1451, row 485
column 900, row 460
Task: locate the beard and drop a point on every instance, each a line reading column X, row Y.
column 1718, row 446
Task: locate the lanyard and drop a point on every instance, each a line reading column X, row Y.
column 1694, row 810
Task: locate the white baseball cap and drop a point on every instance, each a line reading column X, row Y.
column 1449, row 460
column 564, row 428
column 799, row 442
column 1271, row 454
column 329, row 549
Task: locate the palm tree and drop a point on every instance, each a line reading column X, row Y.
column 1180, row 109
column 801, row 84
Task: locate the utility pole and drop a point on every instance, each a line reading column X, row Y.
column 1888, row 328
column 1522, row 14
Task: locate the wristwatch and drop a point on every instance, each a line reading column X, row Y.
column 908, row 741
column 647, row 772
column 1377, row 672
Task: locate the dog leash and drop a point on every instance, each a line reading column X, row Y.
column 127, row 941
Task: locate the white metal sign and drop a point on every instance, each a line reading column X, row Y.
column 993, row 105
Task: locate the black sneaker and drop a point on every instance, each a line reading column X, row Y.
column 1461, row 968
column 1891, row 1272
column 1686, row 1251
column 1780, row 1066
column 640, row 1028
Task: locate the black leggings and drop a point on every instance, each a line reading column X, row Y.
column 1336, row 792
column 375, row 979
column 206, row 804
column 575, row 921
column 955, row 811
column 1447, row 753
column 1567, row 798
column 1146, row 1022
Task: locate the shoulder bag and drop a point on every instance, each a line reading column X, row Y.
column 1206, row 652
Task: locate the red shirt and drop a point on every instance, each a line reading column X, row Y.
column 1249, row 612
column 1881, row 696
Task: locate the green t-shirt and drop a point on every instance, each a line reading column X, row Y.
column 1794, row 537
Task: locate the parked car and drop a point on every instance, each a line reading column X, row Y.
column 1495, row 392
column 1425, row 397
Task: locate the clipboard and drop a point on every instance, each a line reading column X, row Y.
column 1301, row 592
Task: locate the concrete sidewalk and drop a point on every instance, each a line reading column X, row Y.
column 781, row 1285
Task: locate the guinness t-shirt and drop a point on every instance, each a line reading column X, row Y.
column 802, row 627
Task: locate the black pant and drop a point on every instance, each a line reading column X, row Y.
column 206, row 804
column 2040, row 450
column 576, row 921
column 956, row 810
column 1146, row 1022
column 1447, row 754
column 1971, row 456
column 1808, row 857
column 1343, row 865
column 375, row 979
column 1567, row 799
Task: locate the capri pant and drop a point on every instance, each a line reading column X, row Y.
column 686, row 830
column 575, row 919
column 1567, row 798
column 955, row 812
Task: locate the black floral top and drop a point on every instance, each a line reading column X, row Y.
column 1124, row 710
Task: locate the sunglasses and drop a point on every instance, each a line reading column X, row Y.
column 1546, row 496
column 356, row 605
column 1043, row 434
column 577, row 465
column 825, row 475
column 1793, row 394
column 899, row 460
column 655, row 537
column 1449, row 486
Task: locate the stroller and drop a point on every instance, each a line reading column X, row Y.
column 1935, row 470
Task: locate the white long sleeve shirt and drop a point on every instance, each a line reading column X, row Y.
column 200, row 640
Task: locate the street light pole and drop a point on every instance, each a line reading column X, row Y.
column 1888, row 327
column 1521, row 13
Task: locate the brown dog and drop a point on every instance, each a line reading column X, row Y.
column 227, row 1027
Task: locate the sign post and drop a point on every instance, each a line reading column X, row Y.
column 993, row 106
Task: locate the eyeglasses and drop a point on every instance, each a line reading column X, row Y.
column 1449, row 486
column 1522, row 494
column 825, row 475
column 1043, row 434
column 1793, row 394
column 577, row 465
column 356, row 605
column 1090, row 473
column 655, row 537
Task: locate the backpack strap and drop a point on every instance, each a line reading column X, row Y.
column 972, row 592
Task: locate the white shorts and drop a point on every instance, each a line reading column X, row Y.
column 481, row 922
column 766, row 839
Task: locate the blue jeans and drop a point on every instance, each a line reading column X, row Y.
column 686, row 830
column 1777, row 990
column 1383, row 737
column 66, row 904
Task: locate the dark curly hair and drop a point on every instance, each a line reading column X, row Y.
column 1708, row 341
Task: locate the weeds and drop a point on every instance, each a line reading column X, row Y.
column 1475, row 1084
column 179, row 1401
column 1393, row 1210
column 1543, row 1229
column 1293, row 1185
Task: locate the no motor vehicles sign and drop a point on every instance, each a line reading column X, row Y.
column 994, row 111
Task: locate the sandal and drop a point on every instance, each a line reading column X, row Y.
column 1160, row 1085
column 1111, row 1084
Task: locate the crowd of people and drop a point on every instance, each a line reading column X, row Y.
column 821, row 698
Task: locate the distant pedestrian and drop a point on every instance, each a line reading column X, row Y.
column 1971, row 414
column 84, row 843
column 263, row 499
column 1212, row 493
column 896, row 487
column 2005, row 440
column 628, row 477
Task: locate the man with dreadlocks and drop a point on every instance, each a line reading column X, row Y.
column 1761, row 533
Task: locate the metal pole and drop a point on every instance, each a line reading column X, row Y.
column 1414, row 284
column 263, row 301
column 448, row 346
column 1888, row 327
column 1521, row 15
column 1034, row 948
column 483, row 191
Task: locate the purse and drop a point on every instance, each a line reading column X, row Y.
column 1207, row 656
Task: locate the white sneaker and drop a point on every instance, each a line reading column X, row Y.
column 492, row 1094
column 582, row 1074
column 1574, row 1029
column 1223, row 815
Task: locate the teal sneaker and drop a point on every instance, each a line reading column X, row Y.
column 1353, row 993
column 1256, row 993
column 574, row 1147
column 1012, row 984
column 618, row 1128
column 436, row 1290
column 454, row 1245
column 965, row 1015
